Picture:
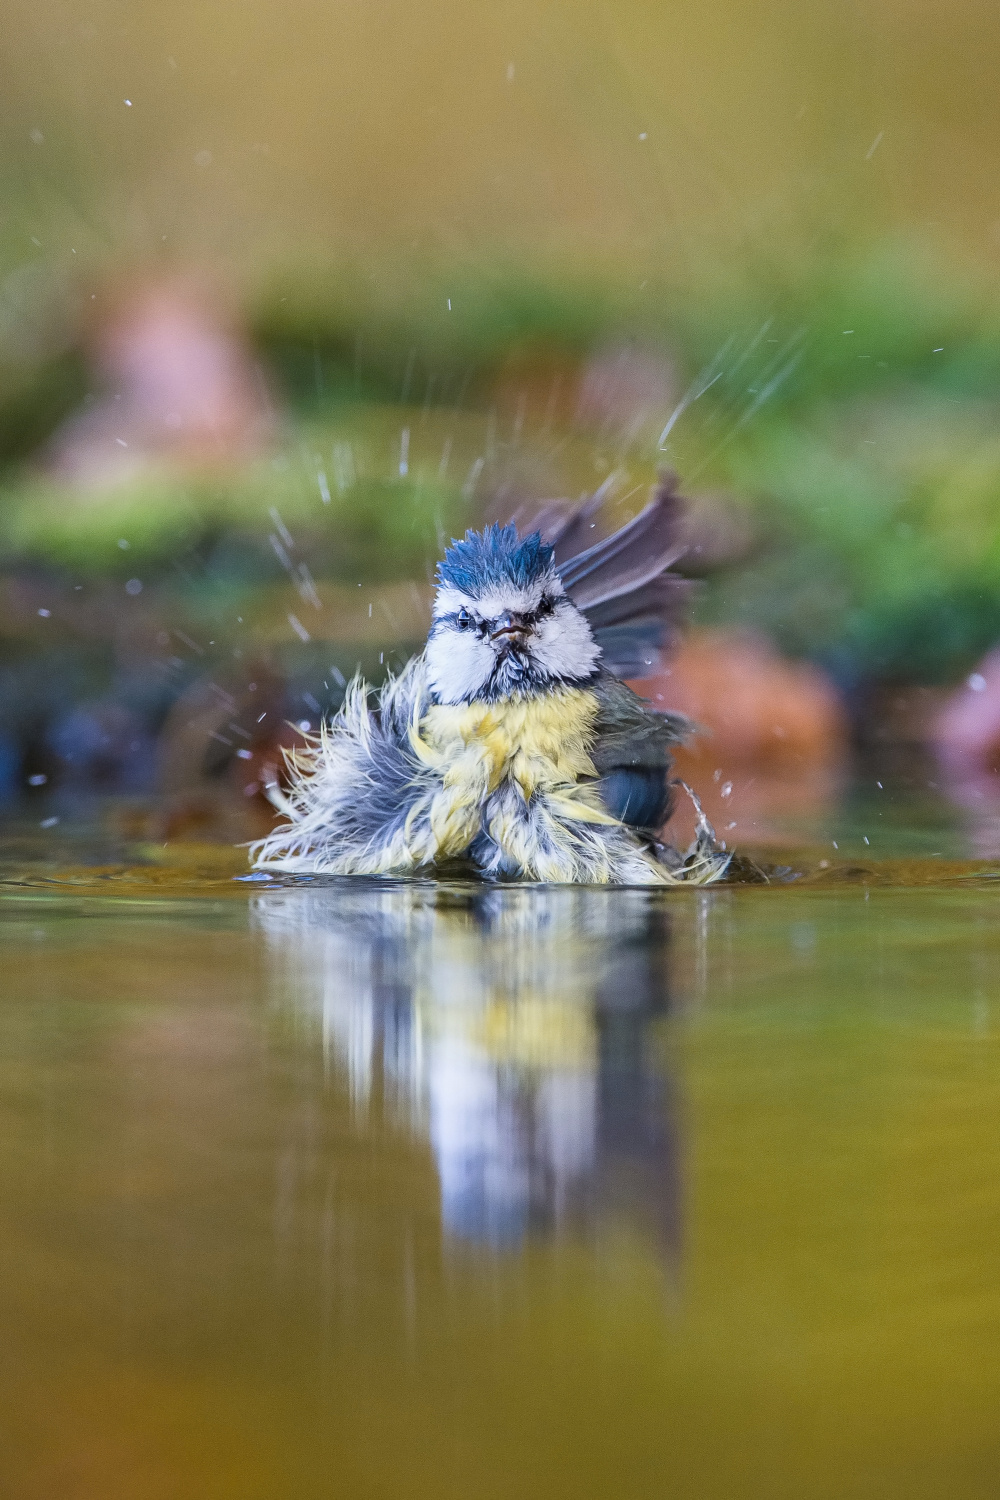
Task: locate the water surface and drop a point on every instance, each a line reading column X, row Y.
column 399, row 1190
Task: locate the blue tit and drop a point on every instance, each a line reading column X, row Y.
column 511, row 747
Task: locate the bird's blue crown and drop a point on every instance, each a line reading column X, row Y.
column 495, row 555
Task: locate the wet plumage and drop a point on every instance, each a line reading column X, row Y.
column 510, row 745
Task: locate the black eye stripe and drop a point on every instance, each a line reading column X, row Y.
column 460, row 619
column 465, row 619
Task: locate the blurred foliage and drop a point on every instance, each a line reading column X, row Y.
column 846, row 407
column 34, row 400
column 441, row 250
column 375, row 529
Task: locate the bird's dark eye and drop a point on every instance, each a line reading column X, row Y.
column 463, row 619
column 546, row 607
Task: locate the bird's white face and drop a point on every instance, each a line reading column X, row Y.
column 507, row 640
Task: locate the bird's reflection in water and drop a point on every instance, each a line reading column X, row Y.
column 510, row 1027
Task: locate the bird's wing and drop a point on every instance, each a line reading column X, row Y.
column 631, row 754
column 622, row 583
column 627, row 732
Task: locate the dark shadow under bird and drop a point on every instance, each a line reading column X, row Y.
column 512, row 745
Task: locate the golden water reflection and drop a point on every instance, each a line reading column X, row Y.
column 448, row 1192
column 509, row 1028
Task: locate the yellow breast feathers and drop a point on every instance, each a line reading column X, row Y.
column 540, row 745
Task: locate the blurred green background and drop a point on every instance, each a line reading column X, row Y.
column 291, row 293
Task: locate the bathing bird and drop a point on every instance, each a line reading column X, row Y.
column 511, row 747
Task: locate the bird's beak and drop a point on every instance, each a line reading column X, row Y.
column 508, row 630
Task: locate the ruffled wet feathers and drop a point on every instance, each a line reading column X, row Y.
column 503, row 623
column 511, row 744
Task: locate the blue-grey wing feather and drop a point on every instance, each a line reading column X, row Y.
column 623, row 583
column 641, row 798
column 631, row 754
